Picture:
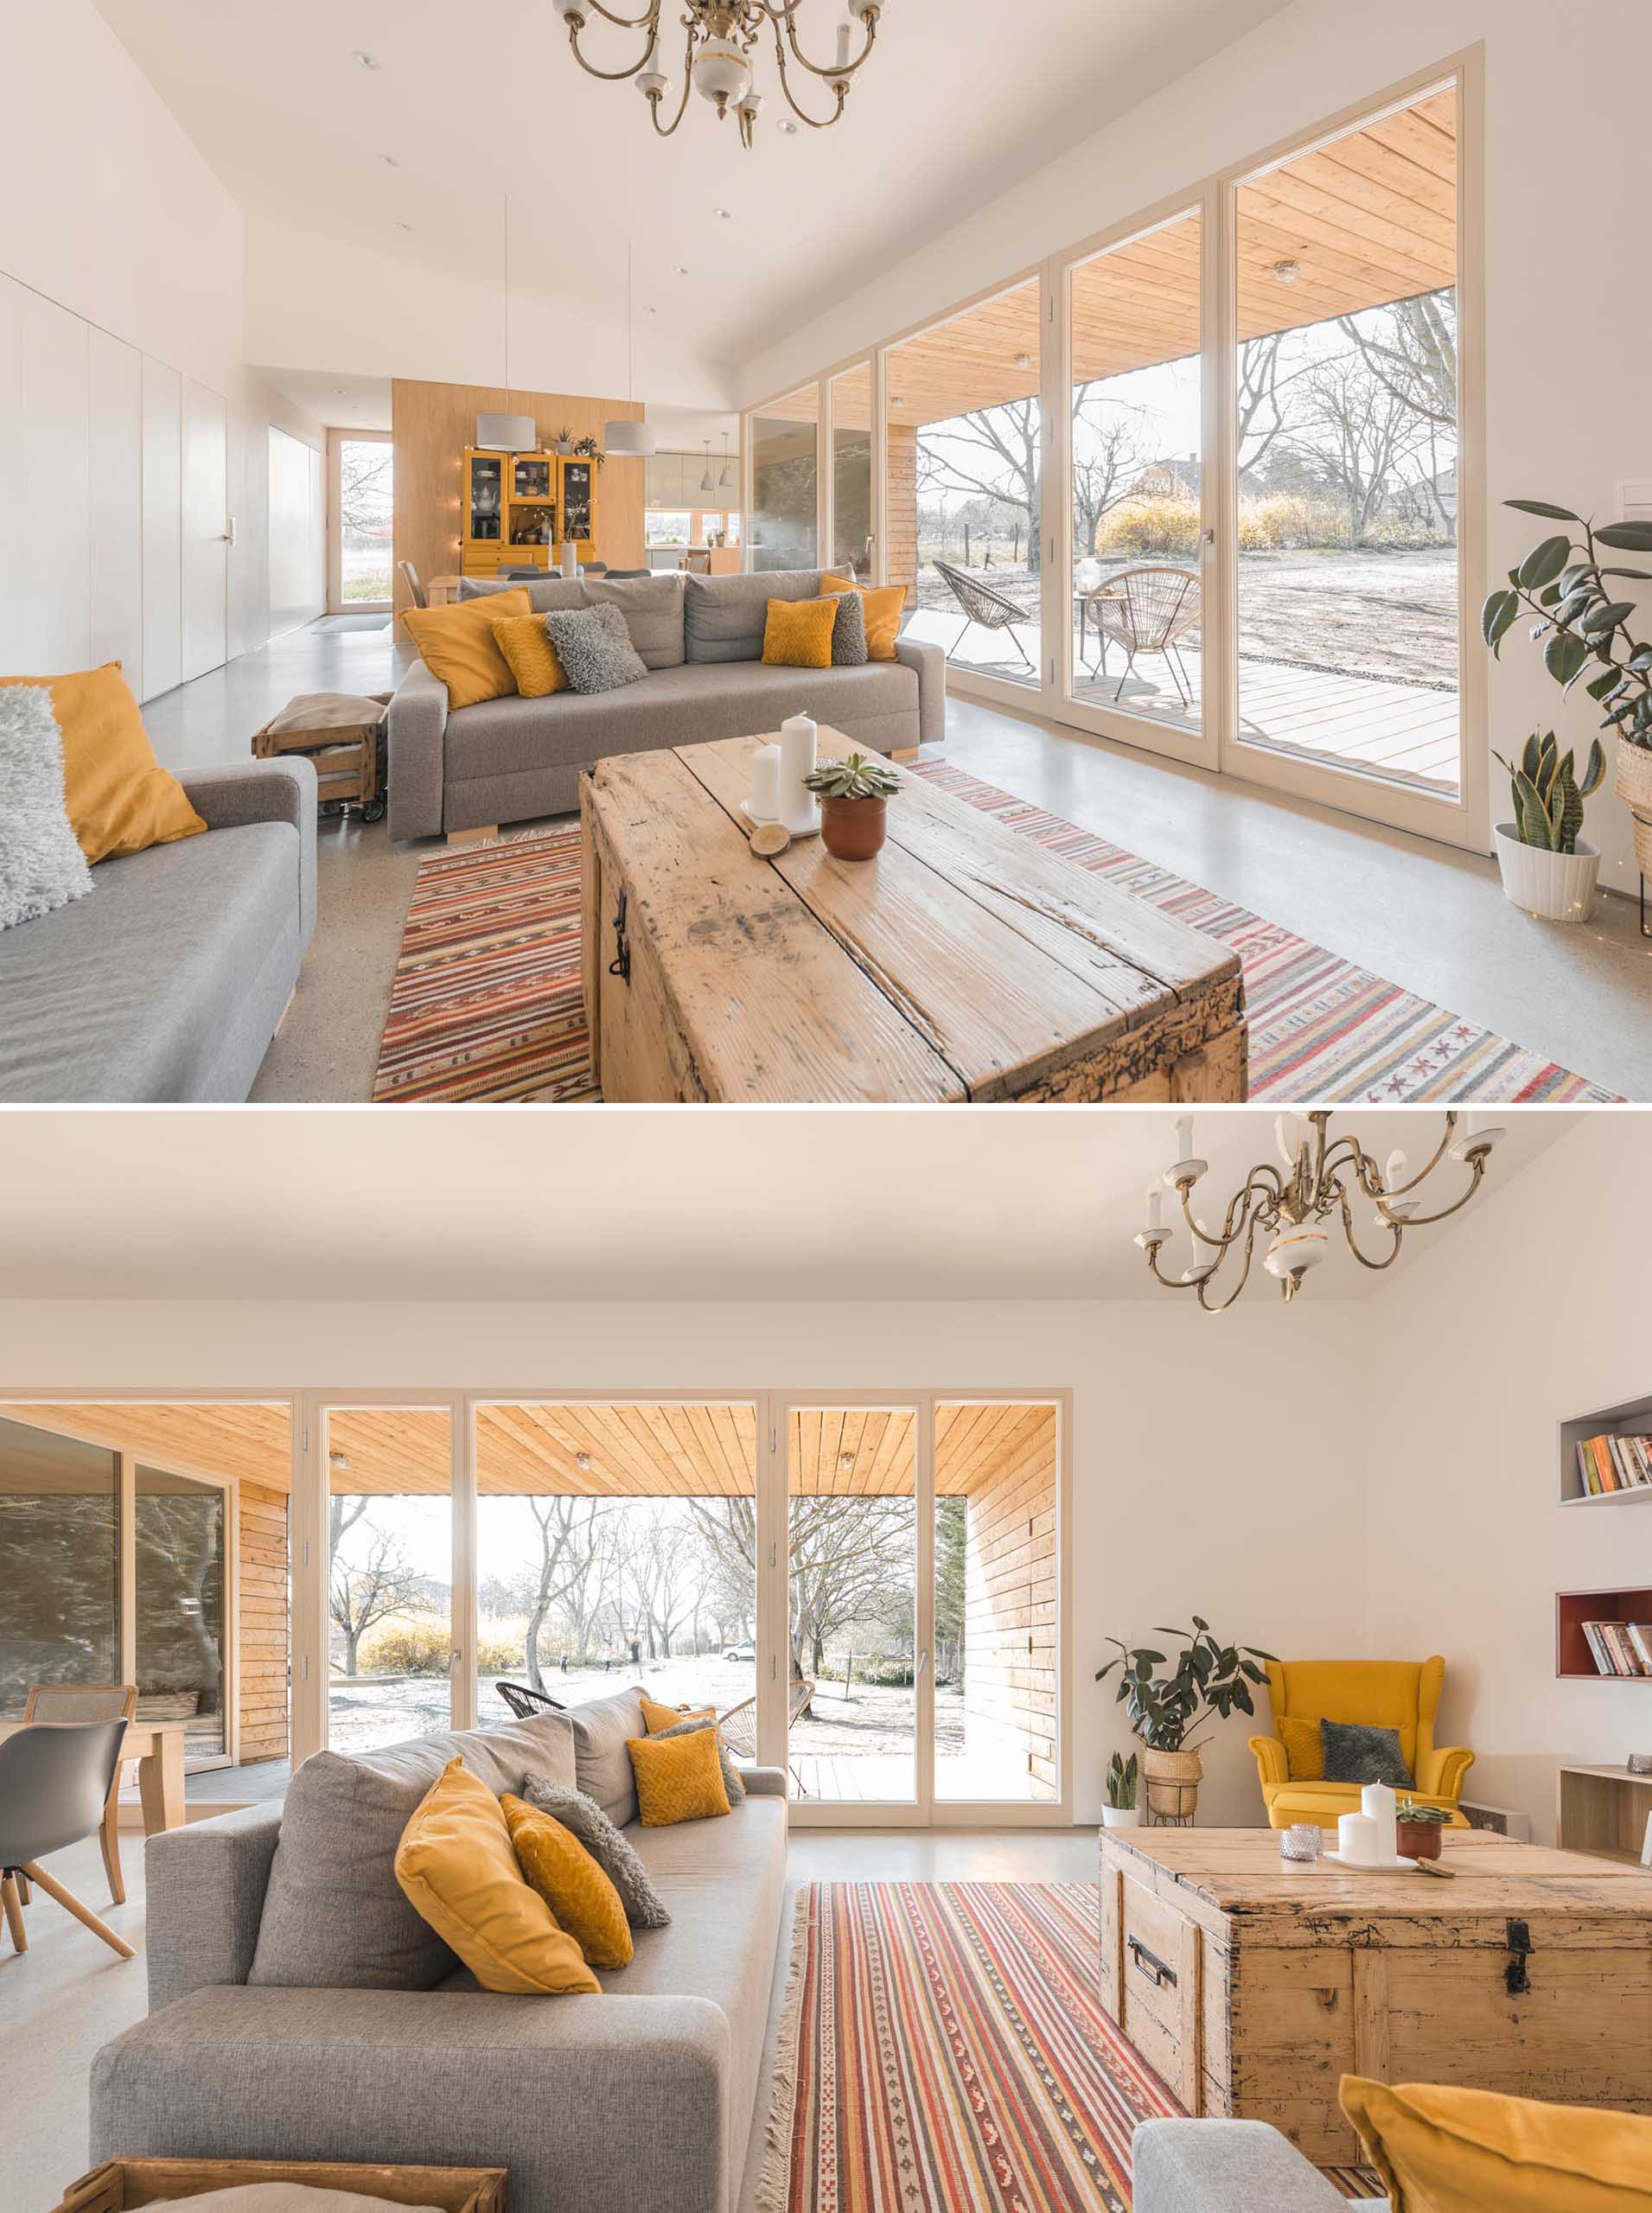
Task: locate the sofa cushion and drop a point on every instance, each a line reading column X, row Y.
column 119, row 799
column 459, row 649
column 612, row 1850
column 1439, row 2148
column 571, row 1881
column 678, row 1777
column 544, row 593
column 125, row 994
column 602, row 1729
column 674, row 707
column 653, row 608
column 42, row 866
column 723, row 616
column 334, row 1918
column 595, row 647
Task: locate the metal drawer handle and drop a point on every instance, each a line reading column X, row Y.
column 620, row 965
column 1158, row 1972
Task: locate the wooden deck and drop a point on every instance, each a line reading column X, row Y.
column 1404, row 733
column 888, row 1778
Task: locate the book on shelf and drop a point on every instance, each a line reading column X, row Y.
column 1620, row 1648
column 1608, row 1463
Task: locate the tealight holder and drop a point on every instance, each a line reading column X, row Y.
column 1301, row 1840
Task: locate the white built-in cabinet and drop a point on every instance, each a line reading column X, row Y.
column 113, row 504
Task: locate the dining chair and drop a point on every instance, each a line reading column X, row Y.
column 55, row 1779
column 411, row 574
column 91, row 1702
column 1146, row 611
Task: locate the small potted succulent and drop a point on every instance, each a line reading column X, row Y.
column 1209, row 1679
column 1120, row 1811
column 1417, row 1829
column 563, row 440
column 853, row 794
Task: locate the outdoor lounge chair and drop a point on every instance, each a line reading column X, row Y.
column 982, row 605
column 738, row 1727
column 1147, row 610
column 525, row 1701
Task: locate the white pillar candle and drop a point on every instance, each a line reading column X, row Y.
column 1377, row 1804
column 1356, row 1840
column 764, row 802
column 799, row 751
column 1155, row 1207
column 570, row 557
column 1184, row 1140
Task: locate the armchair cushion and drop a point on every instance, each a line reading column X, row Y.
column 1325, row 1802
column 1354, row 1753
column 1440, row 2149
column 1304, row 1748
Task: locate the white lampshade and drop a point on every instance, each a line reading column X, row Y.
column 627, row 438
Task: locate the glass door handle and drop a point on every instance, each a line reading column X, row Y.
column 923, row 1662
column 455, row 1661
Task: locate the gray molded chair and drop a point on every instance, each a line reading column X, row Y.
column 90, row 1702
column 56, row 1777
column 622, row 576
column 411, row 574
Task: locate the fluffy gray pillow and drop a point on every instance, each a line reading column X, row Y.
column 1357, row 1754
column 849, row 631
column 732, row 1781
column 585, row 1819
column 42, row 866
column 595, row 647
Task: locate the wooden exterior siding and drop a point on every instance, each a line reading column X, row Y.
column 262, row 1561
column 1010, row 1607
column 901, row 505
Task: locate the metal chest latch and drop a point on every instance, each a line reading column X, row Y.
column 620, row 964
column 1158, row 1972
column 1517, row 1979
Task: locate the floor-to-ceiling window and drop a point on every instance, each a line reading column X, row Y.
column 60, row 1563
column 784, row 442
column 181, row 1528
column 852, row 543
column 363, row 500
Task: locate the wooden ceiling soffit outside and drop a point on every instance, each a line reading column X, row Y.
column 615, row 1449
column 1369, row 219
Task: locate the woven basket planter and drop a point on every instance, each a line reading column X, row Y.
column 1635, row 788
column 1172, row 1781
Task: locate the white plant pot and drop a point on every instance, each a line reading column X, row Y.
column 1555, row 887
column 1121, row 1817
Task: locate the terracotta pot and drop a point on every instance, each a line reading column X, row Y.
column 1418, row 1839
column 853, row 829
column 1172, row 1779
column 1635, row 787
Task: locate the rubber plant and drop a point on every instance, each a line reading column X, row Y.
column 1209, row 1679
column 1582, row 628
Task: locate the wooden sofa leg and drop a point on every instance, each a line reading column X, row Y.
column 472, row 837
column 905, row 753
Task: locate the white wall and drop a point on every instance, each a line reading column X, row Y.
column 121, row 276
column 1567, row 341
column 297, row 533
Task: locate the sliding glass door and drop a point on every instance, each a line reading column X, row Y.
column 785, row 447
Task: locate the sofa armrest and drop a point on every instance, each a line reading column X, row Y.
column 1271, row 1761
column 1225, row 2166
column 1440, row 1773
column 417, row 753
column 279, row 790
column 205, row 1885
column 764, row 1782
column 606, row 2103
column 931, row 663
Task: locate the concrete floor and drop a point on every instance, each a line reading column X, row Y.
column 68, row 1994
column 1430, row 918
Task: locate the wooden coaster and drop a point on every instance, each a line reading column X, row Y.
column 769, row 839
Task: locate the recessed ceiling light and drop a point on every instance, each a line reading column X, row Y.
column 681, row 268
column 787, row 128
column 584, row 1462
column 390, row 161
column 1024, row 360
column 404, row 226
column 364, row 60
column 724, row 214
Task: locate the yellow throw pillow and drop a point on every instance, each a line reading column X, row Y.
column 118, row 798
column 657, row 1717
column 883, row 608
column 678, row 1778
column 456, row 1863
column 534, row 661
column 798, row 632
column 581, row 1898
column 1305, row 1750
column 459, row 647
column 1448, row 2151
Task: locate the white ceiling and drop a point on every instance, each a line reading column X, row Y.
column 615, row 1204
column 962, row 99
column 344, row 403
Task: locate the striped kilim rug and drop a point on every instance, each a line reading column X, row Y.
column 486, row 1002
column 943, row 2048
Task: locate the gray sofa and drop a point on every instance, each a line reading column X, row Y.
column 300, row 2009
column 169, row 982
column 1228, row 2166
column 512, row 760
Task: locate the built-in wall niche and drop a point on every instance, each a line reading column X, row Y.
column 1575, row 1657
column 1617, row 1475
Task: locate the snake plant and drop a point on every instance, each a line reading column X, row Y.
column 1121, row 1782
column 854, row 777
column 1548, row 799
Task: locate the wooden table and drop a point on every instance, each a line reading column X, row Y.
column 1251, row 1985
column 157, row 1746
column 964, row 962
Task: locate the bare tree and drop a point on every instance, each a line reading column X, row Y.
column 1109, row 461
column 365, row 479
column 1358, row 432
column 567, row 1528
column 1411, row 348
column 992, row 450
column 849, row 1558
column 381, row 1588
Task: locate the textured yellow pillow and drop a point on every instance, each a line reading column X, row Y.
column 798, row 632
column 118, row 798
column 534, row 661
column 456, row 1863
column 460, row 648
column 678, row 1778
column 580, row 1897
column 1448, row 2151
column 1305, row 1750
column 656, row 1717
column 883, row 608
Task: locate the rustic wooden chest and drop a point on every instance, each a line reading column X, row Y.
column 1252, row 1986
column 964, row 962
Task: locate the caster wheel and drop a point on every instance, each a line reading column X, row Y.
column 374, row 811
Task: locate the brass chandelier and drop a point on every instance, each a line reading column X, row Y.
column 718, row 61
column 1290, row 1205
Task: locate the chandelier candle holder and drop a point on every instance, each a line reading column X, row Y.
column 1291, row 1205
column 723, row 36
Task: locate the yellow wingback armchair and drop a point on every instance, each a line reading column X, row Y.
column 1378, row 1693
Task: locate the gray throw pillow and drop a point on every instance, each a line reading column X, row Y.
column 586, row 1821
column 1356, row 1754
column 602, row 1727
column 849, row 631
column 42, row 866
column 732, row 1781
column 595, row 647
